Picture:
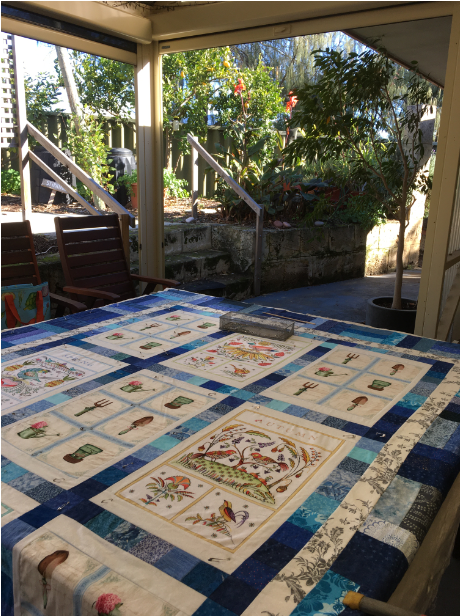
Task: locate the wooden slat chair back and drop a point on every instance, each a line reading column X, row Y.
column 19, row 263
column 94, row 261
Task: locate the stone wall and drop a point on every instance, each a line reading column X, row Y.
column 293, row 257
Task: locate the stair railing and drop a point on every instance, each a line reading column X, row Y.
column 126, row 218
column 258, row 209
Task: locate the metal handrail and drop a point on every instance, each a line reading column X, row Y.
column 258, row 209
column 79, row 173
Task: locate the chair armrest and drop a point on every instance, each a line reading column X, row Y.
column 163, row 281
column 66, row 302
column 92, row 293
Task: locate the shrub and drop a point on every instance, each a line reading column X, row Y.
column 11, row 182
column 174, row 187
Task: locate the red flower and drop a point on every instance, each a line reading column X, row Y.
column 291, row 103
column 286, row 186
column 107, row 603
column 239, row 87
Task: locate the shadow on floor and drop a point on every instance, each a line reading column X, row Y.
column 447, row 602
column 345, row 300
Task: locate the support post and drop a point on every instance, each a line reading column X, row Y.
column 23, row 150
column 442, row 195
column 195, row 159
column 150, row 160
column 258, row 251
column 124, row 227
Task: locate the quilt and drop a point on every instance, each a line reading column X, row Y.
column 153, row 464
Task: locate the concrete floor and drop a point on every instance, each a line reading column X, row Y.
column 345, row 300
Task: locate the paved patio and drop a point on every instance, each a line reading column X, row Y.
column 345, row 300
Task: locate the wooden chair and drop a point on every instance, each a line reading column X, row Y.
column 19, row 263
column 94, row 261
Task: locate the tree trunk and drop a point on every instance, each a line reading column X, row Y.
column 399, row 256
column 168, row 147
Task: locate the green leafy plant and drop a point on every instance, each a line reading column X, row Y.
column 42, row 94
column 127, row 180
column 174, row 187
column 104, row 85
column 364, row 107
column 11, row 182
column 86, row 141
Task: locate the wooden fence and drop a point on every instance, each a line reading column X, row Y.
column 125, row 137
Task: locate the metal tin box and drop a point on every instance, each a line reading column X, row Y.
column 272, row 328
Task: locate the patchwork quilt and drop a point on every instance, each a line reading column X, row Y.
column 153, row 464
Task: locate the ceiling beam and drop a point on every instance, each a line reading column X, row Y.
column 95, row 15
column 225, row 16
column 387, row 13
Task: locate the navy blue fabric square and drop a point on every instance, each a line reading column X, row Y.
column 408, row 342
column 110, row 475
column 64, row 501
column 431, row 472
column 378, row 435
column 211, row 385
column 83, row 512
column 368, row 561
column 274, row 554
column 293, row 536
column 334, row 422
column 7, row 596
column 39, row 516
column 210, row 608
column 204, row 578
column 234, row 595
column 88, row 488
column 232, row 402
column 355, row 428
column 14, row 531
column 130, row 464
column 255, row 573
column 353, row 466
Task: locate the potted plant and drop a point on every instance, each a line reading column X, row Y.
column 129, row 181
column 369, row 109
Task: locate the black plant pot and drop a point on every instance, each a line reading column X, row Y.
column 389, row 318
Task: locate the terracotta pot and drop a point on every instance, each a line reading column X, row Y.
column 134, row 196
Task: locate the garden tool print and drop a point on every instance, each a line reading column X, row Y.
column 304, row 387
column 152, row 325
column 46, row 568
column 379, row 385
column 349, row 357
column 139, row 423
column 36, row 430
column 360, row 400
column 329, row 372
column 177, row 334
column 96, row 405
column 396, row 368
column 82, row 453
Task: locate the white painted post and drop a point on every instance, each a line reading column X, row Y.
column 150, row 160
column 23, row 150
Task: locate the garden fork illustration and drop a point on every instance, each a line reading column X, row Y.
column 304, row 387
column 349, row 357
column 96, row 405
